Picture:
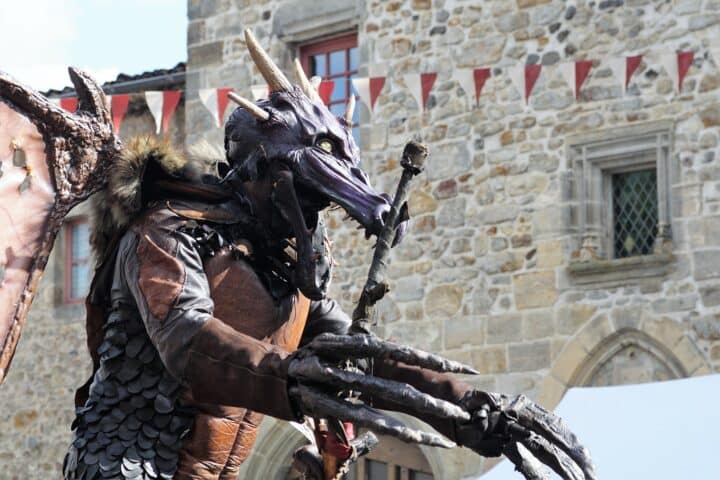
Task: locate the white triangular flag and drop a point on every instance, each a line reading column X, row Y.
column 567, row 72
column 259, row 91
column 715, row 54
column 517, row 77
column 414, row 85
column 362, row 87
column 669, row 61
column 208, row 97
column 619, row 69
column 154, row 100
column 466, row 79
column 55, row 101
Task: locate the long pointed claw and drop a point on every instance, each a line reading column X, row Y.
column 90, row 95
column 553, row 429
column 401, row 393
column 553, row 457
column 46, row 116
column 525, row 463
column 360, row 346
column 322, row 405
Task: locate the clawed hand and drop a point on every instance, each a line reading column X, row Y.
column 488, row 423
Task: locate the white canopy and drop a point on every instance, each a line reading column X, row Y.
column 660, row 431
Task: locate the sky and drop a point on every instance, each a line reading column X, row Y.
column 659, row 431
column 39, row 39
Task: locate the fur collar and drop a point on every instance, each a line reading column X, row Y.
column 114, row 207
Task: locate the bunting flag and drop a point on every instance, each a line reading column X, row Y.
column 215, row 101
column 524, row 78
column 162, row 105
column 472, row 81
column 325, row 90
column 677, row 65
column 118, row 106
column 420, row 86
column 368, row 89
column 259, row 91
column 625, row 68
column 575, row 74
column 69, row 104
column 480, row 75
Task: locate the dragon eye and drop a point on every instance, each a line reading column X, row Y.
column 325, row 145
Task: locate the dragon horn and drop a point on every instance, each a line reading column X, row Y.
column 350, row 110
column 275, row 79
column 305, row 84
column 257, row 112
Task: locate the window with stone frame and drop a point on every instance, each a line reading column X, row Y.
column 336, row 60
column 77, row 260
column 622, row 181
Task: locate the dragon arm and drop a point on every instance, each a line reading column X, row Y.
column 163, row 272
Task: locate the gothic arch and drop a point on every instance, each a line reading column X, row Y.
column 602, row 338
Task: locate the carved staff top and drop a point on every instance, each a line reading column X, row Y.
column 413, row 161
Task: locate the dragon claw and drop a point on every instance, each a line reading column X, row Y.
column 364, row 346
column 318, row 404
column 527, row 434
column 312, row 370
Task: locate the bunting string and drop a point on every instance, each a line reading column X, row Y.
column 162, row 104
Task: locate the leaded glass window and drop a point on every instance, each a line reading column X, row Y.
column 635, row 212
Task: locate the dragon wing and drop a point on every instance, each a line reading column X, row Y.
column 50, row 160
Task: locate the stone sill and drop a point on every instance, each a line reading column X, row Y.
column 619, row 271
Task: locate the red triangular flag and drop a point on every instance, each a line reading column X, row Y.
column 119, row 106
column 171, row 98
column 325, row 90
column 684, row 60
column 631, row 64
column 480, row 75
column 376, row 86
column 69, row 103
column 532, row 72
column 582, row 70
column 222, row 102
column 427, row 80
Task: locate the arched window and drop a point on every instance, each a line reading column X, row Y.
column 627, row 357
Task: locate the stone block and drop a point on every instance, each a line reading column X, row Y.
column 460, row 331
column 571, row 317
column 538, row 324
column 448, row 160
column 707, row 264
column 689, row 355
column 527, row 357
column 452, row 212
column 408, row 289
column 677, row 303
column 535, row 289
column 664, row 329
column 490, row 360
column 444, row 301
column 551, row 392
column 550, row 254
column 531, row 3
column 519, row 383
column 627, row 317
column 710, row 295
column 707, row 327
column 595, row 332
column 205, row 55
column 568, row 361
column 504, row 328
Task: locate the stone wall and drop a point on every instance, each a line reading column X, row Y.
column 490, row 274
column 51, row 361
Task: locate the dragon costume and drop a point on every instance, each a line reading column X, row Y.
column 208, row 307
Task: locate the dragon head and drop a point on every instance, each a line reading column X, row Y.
column 292, row 135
